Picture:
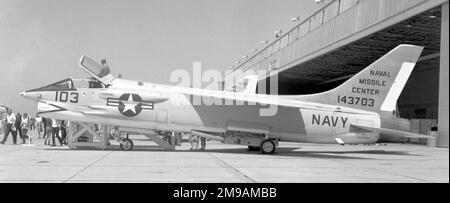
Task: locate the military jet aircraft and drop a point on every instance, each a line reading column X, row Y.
column 348, row 114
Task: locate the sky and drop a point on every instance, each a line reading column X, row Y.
column 42, row 41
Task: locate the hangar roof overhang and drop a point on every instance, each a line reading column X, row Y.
column 332, row 69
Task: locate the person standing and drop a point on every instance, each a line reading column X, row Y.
column 38, row 126
column 63, row 128
column 24, row 126
column 3, row 127
column 32, row 124
column 18, row 124
column 203, row 143
column 194, row 142
column 3, row 121
column 55, row 132
column 10, row 127
column 48, row 130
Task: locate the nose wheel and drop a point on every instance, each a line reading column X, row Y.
column 126, row 144
column 267, row 147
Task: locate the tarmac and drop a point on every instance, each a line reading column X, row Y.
column 293, row 162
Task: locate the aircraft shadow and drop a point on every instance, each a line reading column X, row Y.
column 281, row 152
column 297, row 152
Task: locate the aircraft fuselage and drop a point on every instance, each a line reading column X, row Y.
column 127, row 106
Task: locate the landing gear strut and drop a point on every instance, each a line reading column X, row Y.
column 267, row 146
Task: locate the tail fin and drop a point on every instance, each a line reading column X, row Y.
column 376, row 88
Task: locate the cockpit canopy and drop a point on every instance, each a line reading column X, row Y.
column 100, row 72
column 63, row 85
column 94, row 68
column 69, row 85
column 101, row 78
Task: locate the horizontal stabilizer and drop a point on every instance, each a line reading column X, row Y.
column 394, row 133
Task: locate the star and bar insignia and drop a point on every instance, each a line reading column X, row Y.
column 130, row 105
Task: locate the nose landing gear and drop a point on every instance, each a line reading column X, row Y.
column 126, row 144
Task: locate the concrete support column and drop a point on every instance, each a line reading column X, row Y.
column 442, row 140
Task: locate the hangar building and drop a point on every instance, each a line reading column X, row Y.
column 345, row 36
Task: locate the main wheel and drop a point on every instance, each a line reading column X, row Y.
column 267, row 147
column 126, row 145
column 253, row 149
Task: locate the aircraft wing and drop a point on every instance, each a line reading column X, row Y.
column 271, row 100
column 390, row 132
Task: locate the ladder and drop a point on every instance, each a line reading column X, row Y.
column 76, row 130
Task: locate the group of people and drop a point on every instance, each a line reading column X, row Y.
column 16, row 124
column 195, row 140
column 51, row 129
column 21, row 125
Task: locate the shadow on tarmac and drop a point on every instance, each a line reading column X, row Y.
column 281, row 152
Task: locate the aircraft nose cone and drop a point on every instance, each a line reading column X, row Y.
column 30, row 95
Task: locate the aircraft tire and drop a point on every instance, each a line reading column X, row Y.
column 267, row 147
column 254, row 149
column 127, row 145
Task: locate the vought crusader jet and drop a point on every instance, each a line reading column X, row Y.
column 348, row 114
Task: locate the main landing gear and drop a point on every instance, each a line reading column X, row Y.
column 264, row 143
column 267, row 146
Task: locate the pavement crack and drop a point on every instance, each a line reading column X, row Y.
column 82, row 170
column 235, row 170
